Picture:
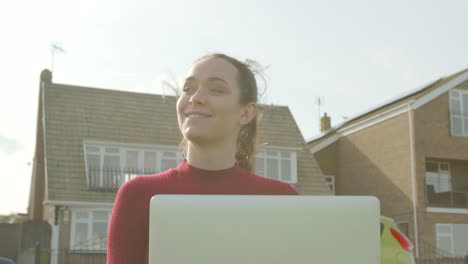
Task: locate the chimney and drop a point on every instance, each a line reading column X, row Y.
column 46, row 76
column 325, row 123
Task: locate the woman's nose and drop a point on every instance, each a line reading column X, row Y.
column 198, row 97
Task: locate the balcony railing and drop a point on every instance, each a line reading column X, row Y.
column 450, row 199
column 110, row 179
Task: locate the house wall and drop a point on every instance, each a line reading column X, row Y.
column 433, row 141
column 376, row 161
column 37, row 187
column 326, row 157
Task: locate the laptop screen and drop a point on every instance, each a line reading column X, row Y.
column 263, row 229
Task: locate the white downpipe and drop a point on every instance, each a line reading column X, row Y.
column 413, row 179
column 54, row 244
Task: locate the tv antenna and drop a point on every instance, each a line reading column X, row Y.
column 55, row 47
column 319, row 100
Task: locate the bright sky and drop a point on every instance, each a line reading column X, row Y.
column 354, row 54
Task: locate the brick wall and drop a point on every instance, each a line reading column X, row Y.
column 433, row 141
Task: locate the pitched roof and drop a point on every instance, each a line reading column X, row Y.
column 418, row 97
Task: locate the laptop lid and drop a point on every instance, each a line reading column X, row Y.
column 259, row 229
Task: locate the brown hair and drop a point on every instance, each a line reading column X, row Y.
column 246, row 140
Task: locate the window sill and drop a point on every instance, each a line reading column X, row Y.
column 447, row 210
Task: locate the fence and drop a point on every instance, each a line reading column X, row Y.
column 110, row 179
column 429, row 254
column 449, row 199
column 34, row 242
column 9, row 239
column 67, row 256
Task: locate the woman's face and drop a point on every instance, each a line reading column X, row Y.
column 208, row 110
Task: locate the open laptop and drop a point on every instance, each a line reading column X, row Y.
column 258, row 229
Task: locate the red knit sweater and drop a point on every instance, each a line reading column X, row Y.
column 127, row 241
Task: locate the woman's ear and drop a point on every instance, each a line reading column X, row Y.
column 249, row 111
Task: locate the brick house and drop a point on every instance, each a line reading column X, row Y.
column 89, row 141
column 412, row 153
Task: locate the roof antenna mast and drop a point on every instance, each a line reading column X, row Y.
column 319, row 100
column 55, row 47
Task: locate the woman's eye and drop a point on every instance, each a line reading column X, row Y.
column 216, row 90
column 187, row 89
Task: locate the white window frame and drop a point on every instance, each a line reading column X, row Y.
column 439, row 165
column 90, row 222
column 462, row 117
column 262, row 153
column 448, row 234
column 123, row 148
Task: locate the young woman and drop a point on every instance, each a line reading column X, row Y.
column 217, row 115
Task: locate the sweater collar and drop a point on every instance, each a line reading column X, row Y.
column 188, row 171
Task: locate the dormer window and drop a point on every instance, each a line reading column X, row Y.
column 459, row 113
column 108, row 165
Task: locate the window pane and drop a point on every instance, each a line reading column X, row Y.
column 445, row 244
column 168, row 163
column 111, row 162
column 455, row 107
column 444, row 229
column 465, row 104
column 444, row 182
column 286, row 170
column 431, row 167
column 92, row 149
column 99, row 236
column 286, row 155
column 131, row 160
column 169, row 155
column 403, row 227
column 81, row 236
column 112, row 150
column 465, row 125
column 93, row 163
column 111, row 173
column 432, row 179
column 456, row 126
column 272, row 168
column 149, row 165
column 131, row 165
column 260, row 166
column 81, row 216
column 443, row 166
column 454, row 94
column 100, row 215
column 460, row 240
column 271, row 153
